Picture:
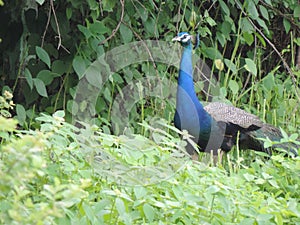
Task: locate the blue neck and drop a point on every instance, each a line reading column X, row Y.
column 186, row 96
column 185, row 79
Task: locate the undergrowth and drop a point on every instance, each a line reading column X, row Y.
column 61, row 174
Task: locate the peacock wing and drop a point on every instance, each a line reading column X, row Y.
column 232, row 115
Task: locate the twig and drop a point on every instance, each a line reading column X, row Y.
column 58, row 30
column 51, row 9
column 100, row 6
column 47, row 25
column 118, row 26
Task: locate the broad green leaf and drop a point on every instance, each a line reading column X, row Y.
column 249, row 177
column 126, row 33
column 221, row 38
column 108, row 5
column 263, row 25
column 28, row 78
column 59, row 67
column 234, row 86
column 59, row 113
column 246, row 26
column 98, row 28
column 69, row 13
column 41, row 2
column 211, row 21
column 93, row 76
column 72, row 107
column 86, row 32
column 40, row 87
column 89, row 212
column 230, row 65
column 139, row 192
column 252, row 10
column 248, row 38
column 264, row 12
column 224, row 7
column 120, row 206
column 213, row 189
column 43, row 55
column 21, row 113
column 262, row 40
column 79, row 66
column 287, row 25
column 297, row 11
column 269, row 82
column 149, row 212
column 250, row 66
column 226, row 28
column 45, row 76
column 212, row 53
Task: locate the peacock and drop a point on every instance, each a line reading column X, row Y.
column 217, row 125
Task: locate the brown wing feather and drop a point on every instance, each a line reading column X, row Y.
column 230, row 114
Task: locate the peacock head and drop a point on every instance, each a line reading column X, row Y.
column 185, row 39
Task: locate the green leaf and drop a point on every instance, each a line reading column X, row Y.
column 43, row 55
column 262, row 40
column 79, row 66
column 297, row 11
column 263, row 25
column 230, row 65
column 40, row 87
column 45, row 76
column 28, row 78
column 224, row 7
column 250, row 66
column 287, row 25
column 234, row 86
column 69, row 13
column 248, row 38
column 59, row 113
column 246, row 25
column 252, row 10
column 126, row 33
column 212, row 53
column 72, row 107
column 41, row 2
column 120, row 206
column 226, row 28
column 21, row 113
column 108, row 5
column 269, row 81
column 59, row 67
column 98, row 28
column 86, row 32
column 149, row 212
column 264, row 12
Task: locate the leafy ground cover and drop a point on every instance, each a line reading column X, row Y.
column 61, row 174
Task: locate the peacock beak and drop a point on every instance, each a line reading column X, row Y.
column 176, row 38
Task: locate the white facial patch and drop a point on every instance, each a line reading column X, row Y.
column 185, row 38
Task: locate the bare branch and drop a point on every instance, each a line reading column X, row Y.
column 118, row 26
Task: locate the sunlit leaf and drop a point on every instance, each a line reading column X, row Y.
column 43, row 55
column 40, row 87
column 251, row 66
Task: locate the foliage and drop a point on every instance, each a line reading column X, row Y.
column 64, row 175
column 6, row 104
column 53, row 172
column 57, row 42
